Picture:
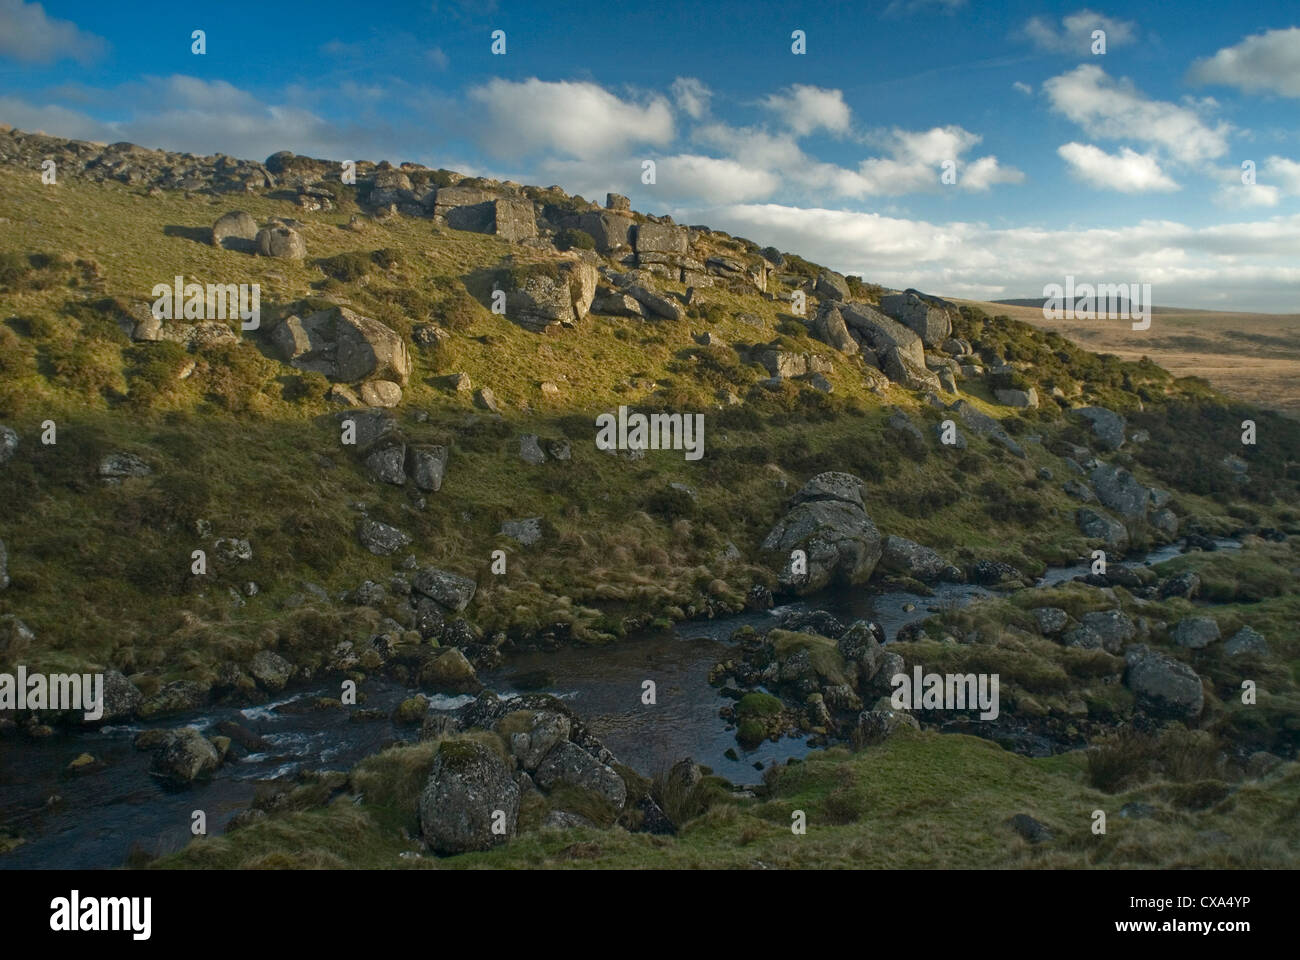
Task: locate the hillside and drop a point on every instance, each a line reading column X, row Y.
column 475, row 516
column 1253, row 357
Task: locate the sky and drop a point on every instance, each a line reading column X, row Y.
column 963, row 148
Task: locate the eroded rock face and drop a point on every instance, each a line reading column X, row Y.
column 829, row 524
column 467, row 785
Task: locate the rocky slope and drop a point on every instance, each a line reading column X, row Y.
column 390, row 469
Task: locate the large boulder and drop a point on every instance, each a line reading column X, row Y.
column 235, row 230
column 1164, row 686
column 449, row 589
column 390, row 186
column 546, row 729
column 381, row 539
column 468, row 785
column 270, row 670
column 1246, row 641
column 278, row 240
column 1195, row 633
column 910, row 558
column 654, row 303
column 450, row 672
column 931, row 323
column 880, row 333
column 448, row 199
column 1119, row 490
column 121, row 698
column 344, row 346
column 610, row 231
column 569, row 764
column 185, row 756
column 427, row 465
column 902, row 370
column 831, row 286
column 1100, row 526
column 1107, row 426
column 829, row 327
column 828, row 522
column 514, row 219
column 660, row 238
column 561, row 294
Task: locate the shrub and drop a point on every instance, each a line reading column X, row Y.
column 347, row 267
column 571, row 238
column 153, row 371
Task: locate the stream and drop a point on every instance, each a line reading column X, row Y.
column 95, row 819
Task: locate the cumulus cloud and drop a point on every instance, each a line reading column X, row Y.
column 1074, row 35
column 1128, row 171
column 29, row 35
column 805, row 109
column 1113, row 109
column 574, row 119
column 692, row 97
column 913, row 162
column 1247, row 265
column 1266, row 62
column 1021, row 87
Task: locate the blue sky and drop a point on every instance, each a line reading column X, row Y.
column 1122, row 166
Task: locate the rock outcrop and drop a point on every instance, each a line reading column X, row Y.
column 829, row 524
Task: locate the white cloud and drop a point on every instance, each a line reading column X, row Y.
column 692, row 97
column 805, row 109
column 192, row 115
column 1285, row 173
column 575, row 119
column 29, row 35
column 1248, row 265
column 1268, row 62
column 1075, row 33
column 913, row 162
column 438, row 58
column 1022, row 87
column 1128, row 171
column 1110, row 109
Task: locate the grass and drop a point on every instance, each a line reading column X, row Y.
column 917, row 801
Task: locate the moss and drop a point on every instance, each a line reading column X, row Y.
column 758, row 704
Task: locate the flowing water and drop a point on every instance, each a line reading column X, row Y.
column 95, row 819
